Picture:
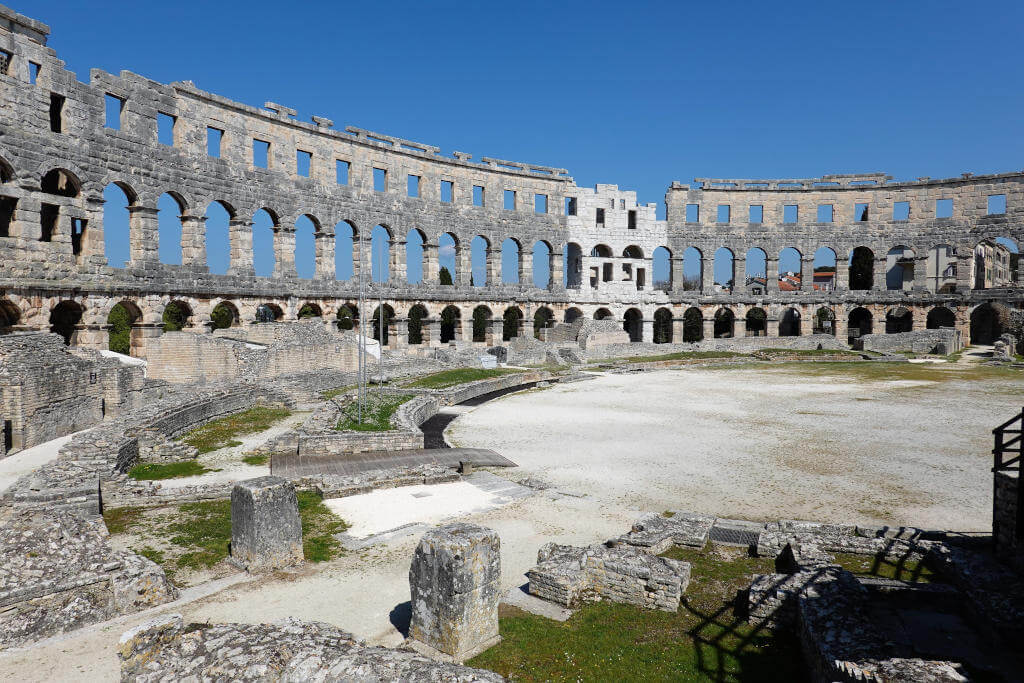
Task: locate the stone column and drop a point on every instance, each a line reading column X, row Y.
column 141, row 335
column 771, row 271
column 356, row 258
column 93, row 247
column 493, row 257
column 647, row 331
column 709, row 327
column 397, row 270
column 240, row 234
column 463, row 265
column 964, row 269
column 143, row 235
column 806, row 273
column 398, row 337
column 676, row 269
column 706, row 276
column 525, row 268
column 284, row 252
column 431, row 269
column 266, row 531
column 193, row 242
column 771, row 325
column 431, row 331
column 739, row 327
column 920, row 283
column 324, row 246
column 841, row 325
column 842, row 281
column 677, row 330
column 739, row 269
column 806, row 323
column 556, row 264
column 879, row 283
column 495, row 331
column 455, row 581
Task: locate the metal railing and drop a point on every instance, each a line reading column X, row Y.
column 1007, row 453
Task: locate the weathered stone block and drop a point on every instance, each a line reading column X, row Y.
column 266, row 531
column 455, row 580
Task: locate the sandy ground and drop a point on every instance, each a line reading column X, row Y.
column 758, row 443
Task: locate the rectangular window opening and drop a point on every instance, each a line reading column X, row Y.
column 33, row 72
column 412, row 185
column 341, row 169
column 790, row 213
column 631, row 220
column 48, row 214
column 214, row 137
column 756, row 213
column 824, row 213
column 860, row 212
column 996, row 204
column 5, row 62
column 380, row 179
column 260, row 153
column 901, row 211
column 724, row 211
column 447, row 191
column 540, row 203
column 77, row 235
column 478, row 195
column 165, row 128
column 510, row 200
column 56, row 113
column 693, row 213
column 303, row 163
column 943, row 208
column 114, row 112
column 570, row 206
column 600, row 216
column 7, row 206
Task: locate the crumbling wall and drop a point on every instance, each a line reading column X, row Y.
column 944, row 340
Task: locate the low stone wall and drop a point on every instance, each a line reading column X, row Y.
column 943, row 341
column 58, row 573
column 738, row 344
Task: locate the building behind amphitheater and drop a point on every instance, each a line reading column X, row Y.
column 925, row 253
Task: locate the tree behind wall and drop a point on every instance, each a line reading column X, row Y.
column 120, row 330
column 445, row 276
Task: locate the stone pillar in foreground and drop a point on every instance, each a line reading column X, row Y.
column 455, row 580
column 266, row 531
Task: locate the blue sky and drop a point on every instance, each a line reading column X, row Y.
column 639, row 94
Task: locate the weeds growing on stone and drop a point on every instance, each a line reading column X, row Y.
column 152, row 471
column 884, row 567
column 220, row 433
column 377, row 414
column 255, row 459
column 450, row 378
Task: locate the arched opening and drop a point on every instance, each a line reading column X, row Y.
column 633, row 252
column 602, row 314
column 541, row 264
column 60, row 182
column 898, row 320
column 10, row 315
column 542, row 318
column 757, row 322
column 306, row 229
column 756, row 280
column 218, row 237
column 940, row 317
column 789, row 323
column 823, row 279
column 573, row 314
column 724, row 270
column 512, row 323
column 451, row 323
column 447, row 259
column 941, row 269
column 988, row 321
column 478, row 248
column 663, row 326
column 693, row 325
column 859, row 323
column 572, row 256
column 64, row 320
column 116, row 224
column 414, row 269
column 725, row 323
column 347, row 317
column 633, row 324
column 121, row 335
column 382, row 319
column 6, row 171
column 661, row 269
column 345, row 241
column 862, row 269
column 481, row 323
column 634, row 272
column 417, row 314
column 510, row 261
column 265, row 226
column 693, row 269
column 601, row 251
column 310, row 310
column 170, row 209
column 899, row 268
column 824, row 321
column 268, row 313
column 225, row 315
column 995, row 263
column 380, row 253
column 602, row 271
column 176, row 316
column 791, row 276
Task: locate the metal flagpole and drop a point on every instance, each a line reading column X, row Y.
column 359, row 334
column 380, row 331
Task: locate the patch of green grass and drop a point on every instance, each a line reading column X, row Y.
column 255, row 459
column 885, row 568
column 204, row 529
column 119, row 520
column 152, row 554
column 450, row 378
column 703, row 641
column 376, row 414
column 152, row 471
column 319, row 525
column 333, row 393
column 219, row 433
column 809, row 352
column 679, row 355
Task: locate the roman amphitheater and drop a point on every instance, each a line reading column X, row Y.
column 285, row 401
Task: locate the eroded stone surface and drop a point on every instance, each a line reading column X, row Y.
column 657, row 533
column 266, row 530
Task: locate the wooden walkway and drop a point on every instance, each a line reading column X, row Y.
column 295, row 466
